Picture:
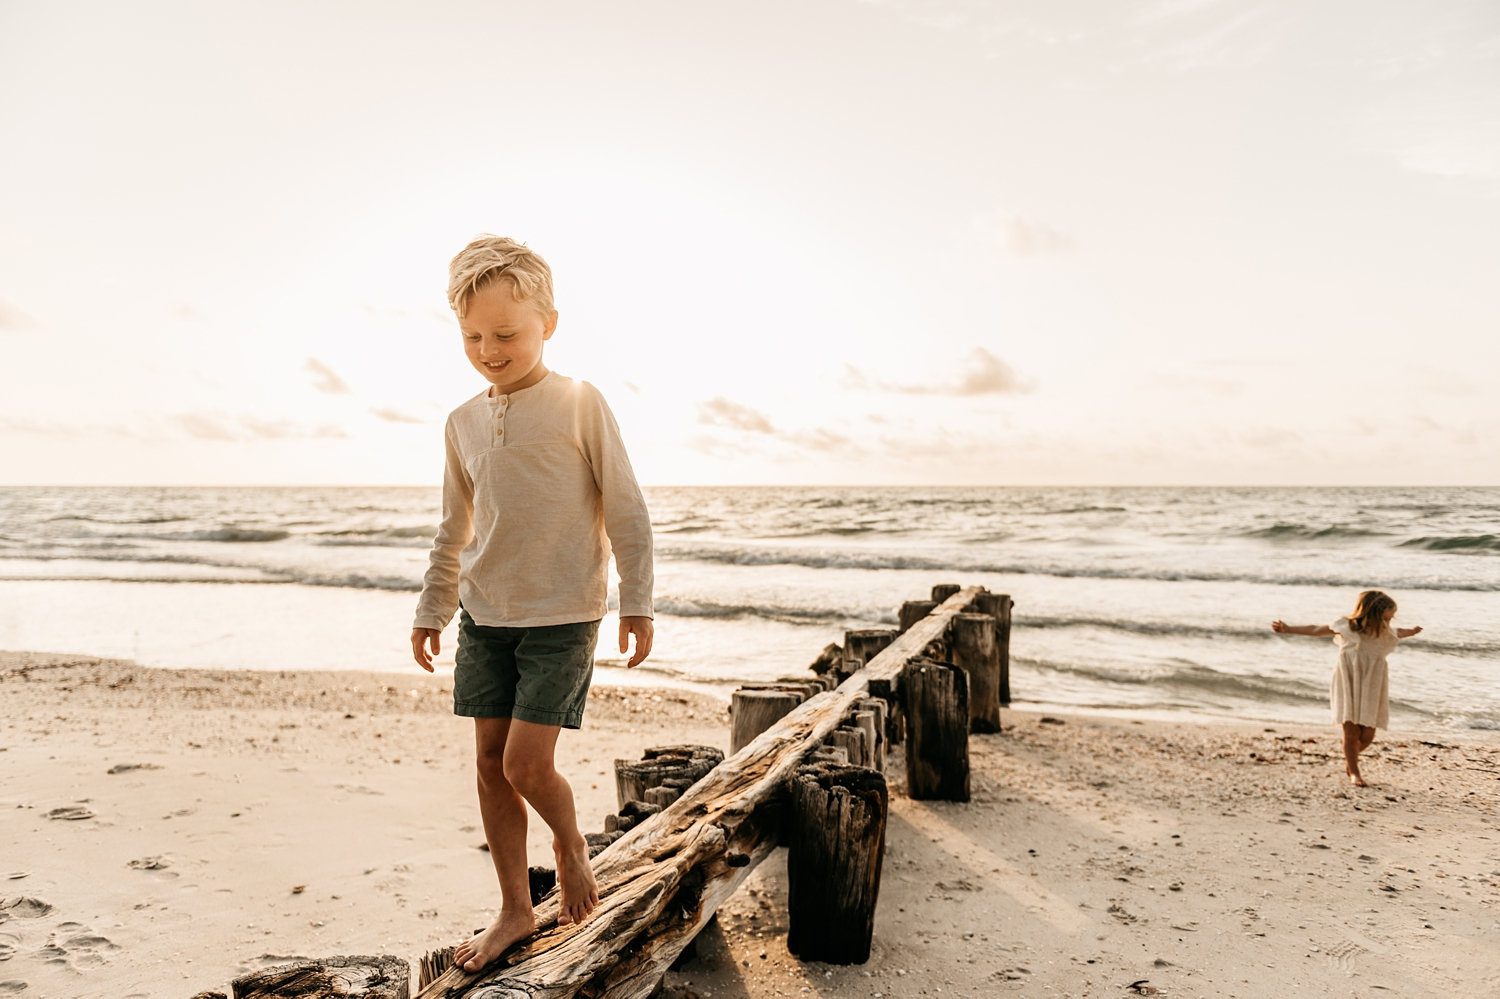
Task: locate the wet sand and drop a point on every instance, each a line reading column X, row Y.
column 167, row 830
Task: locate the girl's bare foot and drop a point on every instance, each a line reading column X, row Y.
column 577, row 890
column 491, row 942
column 1357, row 780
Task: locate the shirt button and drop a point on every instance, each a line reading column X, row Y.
column 500, row 432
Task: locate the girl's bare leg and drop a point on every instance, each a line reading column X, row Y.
column 1352, row 747
column 1366, row 737
column 504, row 814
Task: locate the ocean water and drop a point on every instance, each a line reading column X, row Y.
column 1145, row 600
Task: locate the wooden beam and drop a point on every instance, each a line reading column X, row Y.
column 661, row 881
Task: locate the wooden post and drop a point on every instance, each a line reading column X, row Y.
column 852, row 741
column 999, row 605
column 828, row 659
column 864, row 720
column 880, row 714
column 434, row 963
column 833, row 862
column 936, row 696
column 751, row 712
column 913, row 611
column 943, row 591
column 358, row 977
column 895, row 718
column 974, row 652
column 661, row 765
column 865, row 645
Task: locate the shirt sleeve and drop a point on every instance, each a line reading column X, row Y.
column 439, row 599
column 1342, row 629
column 626, row 520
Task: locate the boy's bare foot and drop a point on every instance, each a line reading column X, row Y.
column 491, row 942
column 578, row 891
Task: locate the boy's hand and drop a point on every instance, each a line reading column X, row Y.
column 644, row 630
column 420, row 639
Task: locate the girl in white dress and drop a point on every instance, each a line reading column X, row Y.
column 1358, row 691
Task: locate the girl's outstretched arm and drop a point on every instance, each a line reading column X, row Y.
column 1408, row 632
column 1315, row 630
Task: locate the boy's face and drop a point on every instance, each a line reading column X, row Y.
column 503, row 338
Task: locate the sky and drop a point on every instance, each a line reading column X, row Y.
column 919, row 242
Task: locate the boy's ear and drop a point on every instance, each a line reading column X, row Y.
column 550, row 326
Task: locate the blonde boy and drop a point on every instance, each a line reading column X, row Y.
column 537, row 490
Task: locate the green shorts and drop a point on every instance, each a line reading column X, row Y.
column 537, row 675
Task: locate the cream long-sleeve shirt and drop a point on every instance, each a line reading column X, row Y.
column 537, row 490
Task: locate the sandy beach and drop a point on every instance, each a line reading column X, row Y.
column 167, row 830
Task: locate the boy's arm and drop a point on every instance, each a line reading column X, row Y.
column 626, row 519
column 439, row 599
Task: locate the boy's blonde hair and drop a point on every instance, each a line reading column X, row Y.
column 488, row 259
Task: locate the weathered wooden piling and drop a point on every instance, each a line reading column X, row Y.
column 863, row 645
column 999, row 605
column 973, row 648
column 879, row 713
column 852, row 741
column 828, row 660
column 913, row 611
column 677, row 767
column 895, row 719
column 752, row 711
column 356, row 976
column 942, row 591
column 936, row 697
column 834, row 856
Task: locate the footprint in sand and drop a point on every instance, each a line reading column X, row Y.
column 24, row 907
column 8, row 942
column 122, row 768
column 1344, row 953
column 12, row 988
column 70, row 812
column 149, row 863
column 76, row 946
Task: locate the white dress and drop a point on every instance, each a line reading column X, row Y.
column 1359, row 689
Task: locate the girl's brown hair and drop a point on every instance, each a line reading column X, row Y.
column 1369, row 612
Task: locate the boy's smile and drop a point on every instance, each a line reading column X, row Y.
column 503, row 338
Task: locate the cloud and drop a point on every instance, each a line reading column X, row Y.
column 1271, row 437
column 13, row 320
column 220, row 427
column 1033, row 239
column 720, row 412
column 324, row 378
column 1021, row 237
column 203, row 426
column 982, row 374
column 822, row 439
column 43, row 428
column 396, row 416
column 289, row 430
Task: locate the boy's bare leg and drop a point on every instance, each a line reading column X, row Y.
column 504, row 814
column 529, row 768
column 1351, row 754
